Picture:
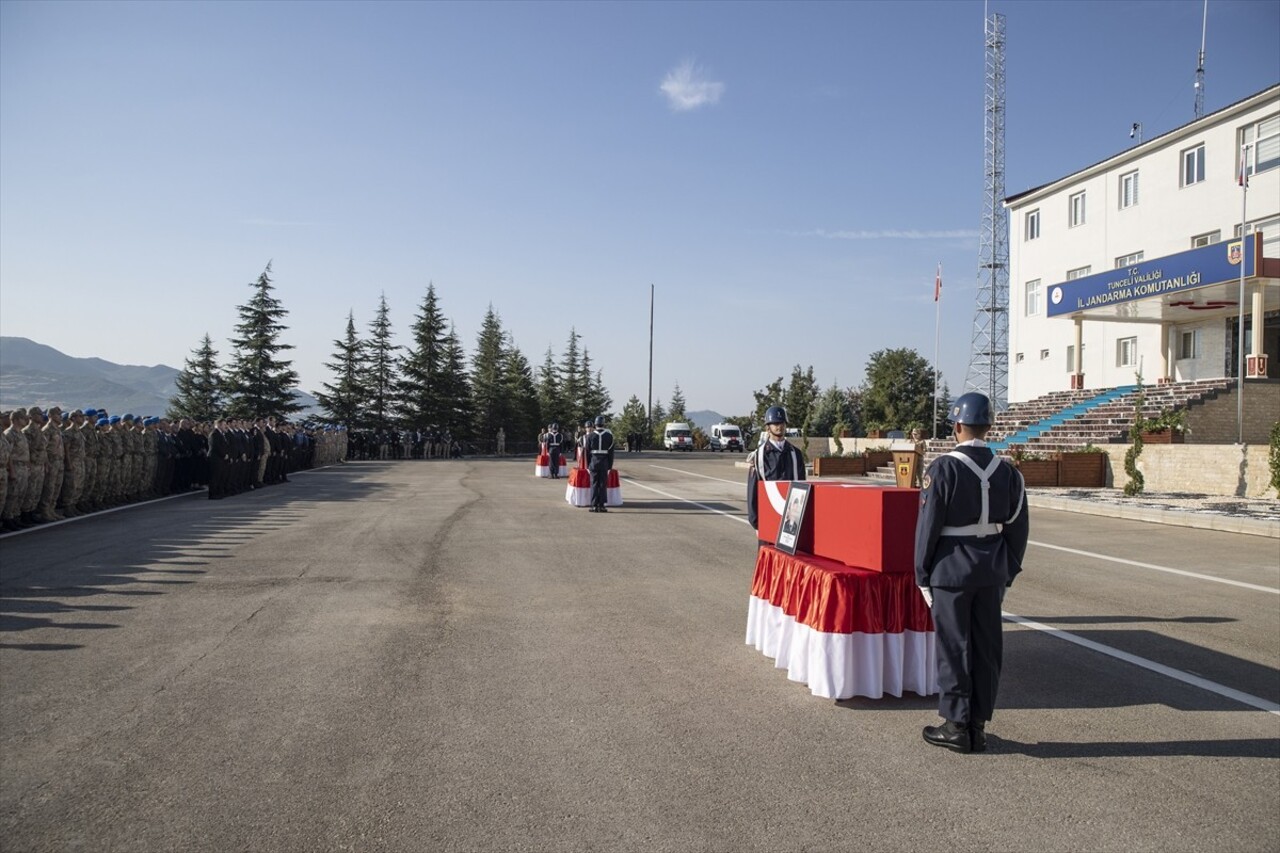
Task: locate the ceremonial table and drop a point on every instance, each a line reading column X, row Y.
column 844, row 630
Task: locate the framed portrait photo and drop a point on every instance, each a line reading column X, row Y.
column 793, row 517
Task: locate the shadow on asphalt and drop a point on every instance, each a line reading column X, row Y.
column 1245, row 748
column 681, row 506
column 173, row 546
column 1120, row 620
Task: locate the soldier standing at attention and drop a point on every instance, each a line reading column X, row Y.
column 775, row 459
column 555, row 443
column 598, row 447
column 971, row 535
column 6, row 468
column 19, row 465
column 55, row 467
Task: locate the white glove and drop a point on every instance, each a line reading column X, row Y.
column 928, row 595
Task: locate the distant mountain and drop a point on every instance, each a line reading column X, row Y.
column 33, row 374
column 704, row 419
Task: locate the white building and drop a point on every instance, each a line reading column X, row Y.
column 1133, row 264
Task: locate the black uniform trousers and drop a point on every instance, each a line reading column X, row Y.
column 970, row 649
column 599, row 480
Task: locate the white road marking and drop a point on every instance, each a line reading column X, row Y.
column 632, row 482
column 1176, row 674
column 1154, row 567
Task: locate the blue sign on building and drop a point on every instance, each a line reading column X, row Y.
column 1188, row 270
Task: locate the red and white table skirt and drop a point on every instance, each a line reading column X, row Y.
column 578, row 492
column 542, row 467
column 842, row 631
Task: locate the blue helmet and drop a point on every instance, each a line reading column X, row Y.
column 972, row 409
column 775, row 415
column 599, row 420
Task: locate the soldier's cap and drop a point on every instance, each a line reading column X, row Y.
column 53, row 409
column 75, row 412
column 88, row 413
column 35, row 410
column 128, row 418
column 103, row 421
column 114, row 419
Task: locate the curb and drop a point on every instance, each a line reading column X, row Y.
column 1157, row 515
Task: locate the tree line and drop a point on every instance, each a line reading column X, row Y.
column 431, row 384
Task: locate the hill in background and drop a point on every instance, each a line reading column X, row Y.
column 33, row 374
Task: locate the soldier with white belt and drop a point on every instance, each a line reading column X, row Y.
column 971, row 535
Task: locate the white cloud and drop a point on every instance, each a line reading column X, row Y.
column 886, row 234
column 687, row 88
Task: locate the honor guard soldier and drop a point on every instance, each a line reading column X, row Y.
column 598, row 447
column 971, row 535
column 775, row 459
column 555, row 444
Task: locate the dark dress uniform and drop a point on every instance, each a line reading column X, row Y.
column 971, row 535
column 598, row 447
column 770, row 463
column 555, row 443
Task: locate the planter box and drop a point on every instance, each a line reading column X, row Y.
column 1039, row 472
column 876, row 433
column 839, row 466
column 1086, row 470
column 1164, row 436
column 878, row 459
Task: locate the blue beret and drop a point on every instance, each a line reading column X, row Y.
column 103, row 422
column 66, row 416
column 127, row 418
column 88, row 413
column 115, row 419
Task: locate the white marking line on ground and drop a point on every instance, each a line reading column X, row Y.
column 741, row 482
column 632, row 482
column 1176, row 674
column 1195, row 575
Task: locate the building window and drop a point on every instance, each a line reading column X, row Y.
column 1193, row 166
column 1127, row 352
column 1270, row 229
column 1128, row 189
column 1071, row 358
column 1189, row 344
column 1044, row 353
column 1128, row 260
column 1078, row 272
column 1033, row 225
column 1018, row 358
column 1032, row 307
column 1264, row 141
column 1075, row 210
column 1201, row 240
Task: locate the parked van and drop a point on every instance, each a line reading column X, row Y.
column 677, row 436
column 726, row 438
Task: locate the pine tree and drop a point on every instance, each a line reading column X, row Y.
column 259, row 384
column 595, row 398
column 455, row 413
column 490, row 406
column 571, row 381
column 632, row 419
column 380, row 369
column 521, row 392
column 677, row 411
column 550, row 399
column 659, row 424
column 420, row 384
column 343, row 400
column 199, row 384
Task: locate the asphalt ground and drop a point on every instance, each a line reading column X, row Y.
column 444, row 655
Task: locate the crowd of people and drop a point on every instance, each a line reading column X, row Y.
column 386, row 444
column 56, row 465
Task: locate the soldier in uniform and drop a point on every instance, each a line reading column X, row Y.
column 54, row 468
column 555, row 444
column 38, row 447
column 971, row 535
column 19, row 467
column 6, row 468
column 73, row 478
column 598, row 447
column 85, row 498
column 775, row 459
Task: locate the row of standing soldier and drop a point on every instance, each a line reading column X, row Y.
column 56, row 465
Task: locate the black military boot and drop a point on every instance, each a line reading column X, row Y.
column 978, row 737
column 949, row 735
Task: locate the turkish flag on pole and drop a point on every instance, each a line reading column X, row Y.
column 937, row 284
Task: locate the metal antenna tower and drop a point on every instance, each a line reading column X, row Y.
column 1204, row 26
column 989, row 352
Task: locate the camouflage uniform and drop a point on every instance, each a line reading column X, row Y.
column 73, row 441
column 54, row 465
column 20, row 463
column 37, row 449
column 6, row 472
column 150, row 460
column 85, row 498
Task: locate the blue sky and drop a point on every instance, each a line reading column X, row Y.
column 787, row 176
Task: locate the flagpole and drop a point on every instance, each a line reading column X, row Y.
column 937, row 333
column 1244, row 222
